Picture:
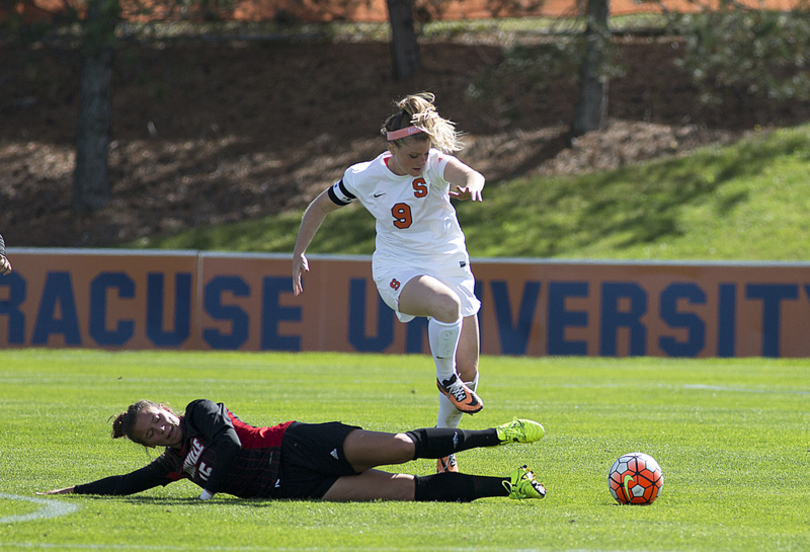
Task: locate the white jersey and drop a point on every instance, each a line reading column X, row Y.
column 416, row 222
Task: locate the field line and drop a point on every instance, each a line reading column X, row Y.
column 742, row 390
column 50, row 509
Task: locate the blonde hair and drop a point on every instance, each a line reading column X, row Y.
column 418, row 110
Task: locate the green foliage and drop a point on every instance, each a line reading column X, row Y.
column 729, row 434
column 758, row 52
column 729, row 50
column 540, row 61
column 539, row 64
column 743, row 202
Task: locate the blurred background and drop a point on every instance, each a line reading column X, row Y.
column 123, row 121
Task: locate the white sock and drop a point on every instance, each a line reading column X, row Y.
column 474, row 383
column 443, row 339
column 449, row 415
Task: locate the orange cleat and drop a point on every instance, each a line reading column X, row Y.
column 447, row 464
column 462, row 397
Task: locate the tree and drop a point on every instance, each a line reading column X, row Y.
column 591, row 106
column 404, row 48
column 735, row 48
column 91, row 188
column 98, row 21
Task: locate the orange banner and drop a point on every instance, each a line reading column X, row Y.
column 188, row 300
column 107, row 299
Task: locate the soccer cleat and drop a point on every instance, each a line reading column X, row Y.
column 523, row 483
column 520, row 431
column 462, row 397
column 447, row 464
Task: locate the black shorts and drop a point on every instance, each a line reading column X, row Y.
column 312, row 459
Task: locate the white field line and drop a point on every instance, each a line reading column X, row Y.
column 50, row 509
column 743, row 390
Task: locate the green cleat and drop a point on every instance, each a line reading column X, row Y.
column 520, row 431
column 524, row 484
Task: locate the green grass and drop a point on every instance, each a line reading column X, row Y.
column 730, row 435
column 747, row 201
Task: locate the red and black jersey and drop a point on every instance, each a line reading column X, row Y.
column 220, row 453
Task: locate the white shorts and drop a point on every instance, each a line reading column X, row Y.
column 391, row 278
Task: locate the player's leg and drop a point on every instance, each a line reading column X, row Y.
column 467, row 355
column 364, row 449
column 459, row 487
column 372, row 485
column 468, row 350
column 368, row 449
column 426, row 296
column 445, row 487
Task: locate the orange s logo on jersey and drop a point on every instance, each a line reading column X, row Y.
column 419, row 187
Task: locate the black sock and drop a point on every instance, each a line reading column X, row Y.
column 457, row 487
column 438, row 442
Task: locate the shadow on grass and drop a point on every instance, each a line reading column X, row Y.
column 644, row 204
column 194, row 501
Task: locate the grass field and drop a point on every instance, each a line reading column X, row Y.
column 730, row 435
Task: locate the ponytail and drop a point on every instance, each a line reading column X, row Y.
column 418, row 111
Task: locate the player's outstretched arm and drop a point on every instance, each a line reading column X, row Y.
column 311, row 221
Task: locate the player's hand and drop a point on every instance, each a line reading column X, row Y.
column 66, row 490
column 465, row 182
column 5, row 265
column 466, row 192
column 300, row 265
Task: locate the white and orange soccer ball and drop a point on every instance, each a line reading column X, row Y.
column 635, row 478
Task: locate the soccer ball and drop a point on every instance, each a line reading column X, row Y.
column 635, row 478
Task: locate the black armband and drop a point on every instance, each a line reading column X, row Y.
column 340, row 195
